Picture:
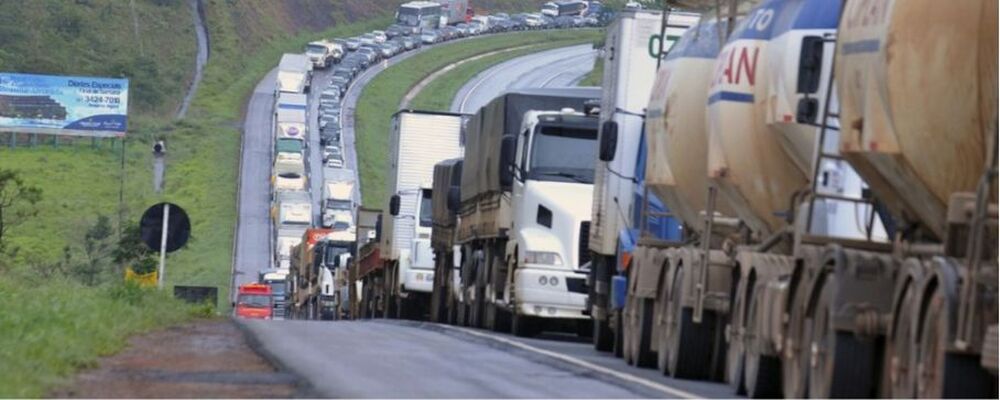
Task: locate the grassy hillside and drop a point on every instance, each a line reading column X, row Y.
column 152, row 43
column 51, row 283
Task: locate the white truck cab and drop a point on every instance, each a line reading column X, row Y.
column 552, row 176
column 323, row 53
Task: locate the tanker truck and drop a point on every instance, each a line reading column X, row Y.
column 401, row 274
column 823, row 263
column 523, row 211
column 631, row 65
column 722, row 166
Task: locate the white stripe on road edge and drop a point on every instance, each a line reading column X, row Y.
column 580, row 363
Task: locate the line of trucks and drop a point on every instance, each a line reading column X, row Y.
column 797, row 197
column 305, row 276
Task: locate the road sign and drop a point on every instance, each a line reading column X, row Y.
column 178, row 227
column 171, row 224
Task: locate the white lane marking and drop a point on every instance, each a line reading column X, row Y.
column 497, row 68
column 581, row 363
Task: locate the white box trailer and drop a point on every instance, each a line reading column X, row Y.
column 294, row 74
column 419, row 140
column 629, row 73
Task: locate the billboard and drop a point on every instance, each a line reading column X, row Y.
column 63, row 105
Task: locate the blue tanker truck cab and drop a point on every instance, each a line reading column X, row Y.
column 655, row 224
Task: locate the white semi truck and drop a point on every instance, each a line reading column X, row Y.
column 523, row 211
column 338, row 198
column 630, row 69
column 294, row 74
column 291, row 214
column 402, row 270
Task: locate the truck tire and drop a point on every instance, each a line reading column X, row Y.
column 843, row 365
column 642, row 329
column 944, row 374
column 901, row 349
column 795, row 354
column 663, row 307
column 523, row 325
column 602, row 335
column 603, row 338
column 619, row 341
column 690, row 343
column 761, row 373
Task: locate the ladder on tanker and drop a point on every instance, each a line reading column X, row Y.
column 826, row 152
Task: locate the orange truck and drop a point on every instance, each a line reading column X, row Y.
column 254, row 301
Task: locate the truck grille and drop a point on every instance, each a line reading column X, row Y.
column 584, row 243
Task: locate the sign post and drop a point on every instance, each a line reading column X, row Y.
column 163, row 244
column 165, row 228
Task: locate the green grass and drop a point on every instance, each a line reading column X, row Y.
column 596, row 75
column 381, row 97
column 50, row 329
column 79, row 183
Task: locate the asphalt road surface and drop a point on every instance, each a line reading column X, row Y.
column 560, row 67
column 382, row 358
column 252, row 250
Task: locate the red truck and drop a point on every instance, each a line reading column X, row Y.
column 254, row 301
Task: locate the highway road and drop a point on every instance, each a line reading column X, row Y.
column 553, row 68
column 383, row 358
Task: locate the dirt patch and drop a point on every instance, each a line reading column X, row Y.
column 205, row 359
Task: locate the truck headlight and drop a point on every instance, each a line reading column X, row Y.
column 542, row 257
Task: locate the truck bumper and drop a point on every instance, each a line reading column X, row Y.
column 547, row 300
column 418, row 280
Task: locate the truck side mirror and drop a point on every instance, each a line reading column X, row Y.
column 609, row 141
column 454, row 198
column 810, row 64
column 394, row 205
column 508, row 153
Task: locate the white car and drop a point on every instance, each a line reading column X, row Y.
column 335, row 162
column 380, row 36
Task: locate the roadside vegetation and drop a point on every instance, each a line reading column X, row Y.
column 61, row 269
column 381, row 97
column 596, row 75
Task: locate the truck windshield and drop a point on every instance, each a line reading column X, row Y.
column 334, row 204
column 426, row 212
column 277, row 287
column 563, row 153
column 289, row 146
column 332, row 256
column 315, row 49
column 254, row 300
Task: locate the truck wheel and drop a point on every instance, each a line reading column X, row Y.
column 690, row 344
column 901, row 351
column 627, row 338
column 601, row 333
column 619, row 339
column 523, row 325
column 642, row 331
column 943, row 374
column 662, row 339
column 762, row 373
column 490, row 316
column 841, row 364
column 795, row 354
